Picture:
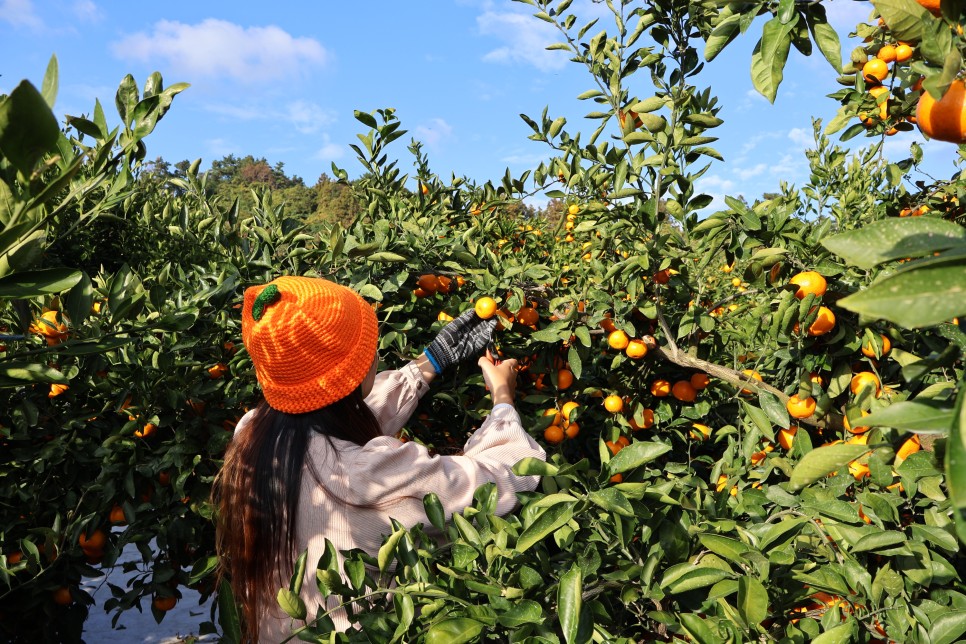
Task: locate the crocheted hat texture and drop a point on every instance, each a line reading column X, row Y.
column 312, row 341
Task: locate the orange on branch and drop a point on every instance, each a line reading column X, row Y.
column 945, row 119
column 618, row 340
column 875, row 71
column 800, row 407
column 553, row 434
column 683, row 391
column 661, row 388
column 865, row 379
column 809, row 283
column 700, row 381
column 868, row 349
column 636, row 349
column 485, row 307
column 751, row 373
column 647, row 417
column 824, row 322
column 613, row 403
column 565, row 378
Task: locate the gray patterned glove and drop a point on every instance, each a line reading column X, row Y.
column 465, row 337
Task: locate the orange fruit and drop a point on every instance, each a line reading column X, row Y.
column 903, row 53
column 56, row 390
column 428, row 283
column 886, row 53
column 662, row 277
column 824, row 323
column 14, row 558
column 117, row 515
column 553, row 434
column 566, row 410
column 614, row 404
column 864, row 379
column 564, row 379
column 854, row 430
column 445, row 284
column 573, row 209
column 164, row 478
column 808, row 283
column 636, row 349
column 700, row 432
column 444, row 317
column 146, row 431
column 911, row 446
column 751, row 373
column 571, row 430
column 528, row 316
column 612, row 447
column 62, row 596
column 858, row 470
column 607, row 324
column 661, row 388
column 647, row 416
column 617, row 478
column 944, row 119
column 423, row 188
column 868, row 350
column 217, row 371
column 164, row 604
column 800, row 407
column 51, row 326
column 786, row 437
column 875, row 71
column 618, row 340
column 700, row 381
column 683, row 391
column 931, row 5
column 556, row 415
column 421, row 293
column 876, row 92
column 485, row 307
column 93, row 543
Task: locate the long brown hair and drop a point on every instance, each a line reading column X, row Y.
column 256, row 496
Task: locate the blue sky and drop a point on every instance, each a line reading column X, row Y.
column 281, row 81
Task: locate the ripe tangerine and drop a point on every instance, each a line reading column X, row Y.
column 661, row 388
column 613, row 403
column 485, row 307
column 800, row 407
column 618, row 340
column 683, row 391
column 864, row 379
column 868, row 349
column 824, row 322
column 553, row 434
column 636, row 349
column 944, row 119
column 809, row 283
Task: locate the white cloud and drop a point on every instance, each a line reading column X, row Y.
column 20, row 13
column 843, row 16
column 330, row 151
column 525, row 38
column 87, row 11
column 713, row 183
column 304, row 116
column 220, row 48
column 434, row 132
column 221, row 147
column 801, row 137
column 527, row 160
column 747, row 173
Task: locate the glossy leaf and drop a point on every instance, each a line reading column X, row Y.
column 752, row 600
column 915, row 298
column 454, row 631
column 27, row 284
column 895, row 238
column 28, row 129
column 822, row 461
column 913, row 416
column 956, row 465
column 569, row 603
column 769, row 56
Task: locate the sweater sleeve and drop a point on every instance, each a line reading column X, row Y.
column 390, row 471
column 394, row 396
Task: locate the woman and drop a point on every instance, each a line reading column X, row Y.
column 317, row 459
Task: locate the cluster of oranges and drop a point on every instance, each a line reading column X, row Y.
column 617, row 339
column 685, row 391
column 563, row 424
column 430, row 284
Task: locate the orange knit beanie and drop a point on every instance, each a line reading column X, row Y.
column 312, row 341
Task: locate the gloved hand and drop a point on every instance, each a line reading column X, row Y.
column 465, row 337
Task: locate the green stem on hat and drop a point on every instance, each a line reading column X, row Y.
column 268, row 295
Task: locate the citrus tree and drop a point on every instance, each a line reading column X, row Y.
column 752, row 416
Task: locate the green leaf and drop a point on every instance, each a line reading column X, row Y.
column 722, row 35
column 26, row 284
column 822, row 461
column 126, row 99
column 526, row 611
column 777, row 412
column 467, row 531
column 228, row 617
column 434, row 510
column 551, row 519
column 948, row 627
column 879, row 541
column 825, row 36
column 769, row 56
column 530, row 466
column 388, row 550
column 956, row 464
column 48, row 89
column 698, row 629
column 904, row 18
column 16, row 374
column 841, row 634
column 569, row 603
column 913, row 416
column 730, row 549
column 292, row 604
column 922, row 296
column 687, row 576
column 895, row 238
column 28, row 129
column 612, row 500
column 752, row 600
column 635, row 455
column 454, row 631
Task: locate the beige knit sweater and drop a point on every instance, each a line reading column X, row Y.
column 363, row 486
